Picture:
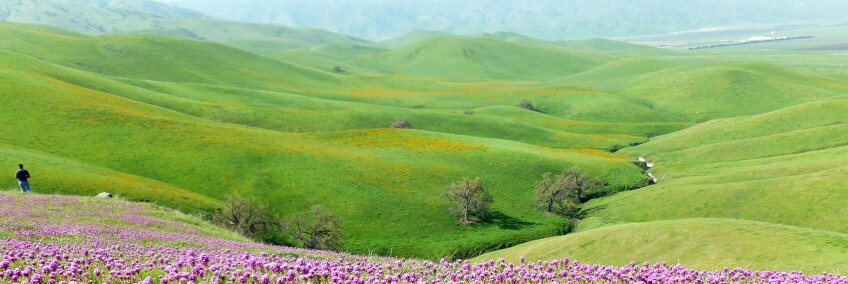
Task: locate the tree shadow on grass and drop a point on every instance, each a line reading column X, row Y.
column 584, row 213
column 504, row 221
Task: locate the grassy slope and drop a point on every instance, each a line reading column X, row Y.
column 781, row 167
column 410, row 38
column 785, row 168
column 456, row 58
column 697, row 243
column 65, row 176
column 68, row 117
column 479, row 59
column 161, row 59
column 262, row 39
column 699, row 92
column 200, row 114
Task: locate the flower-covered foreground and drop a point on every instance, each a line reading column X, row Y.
column 62, row 239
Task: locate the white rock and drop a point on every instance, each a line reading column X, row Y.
column 653, row 179
column 103, row 195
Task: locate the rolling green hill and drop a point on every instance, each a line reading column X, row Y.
column 481, row 58
column 780, row 167
column 784, row 169
column 408, row 169
column 704, row 243
column 159, row 58
column 159, row 136
column 750, row 156
column 456, row 58
column 262, row 39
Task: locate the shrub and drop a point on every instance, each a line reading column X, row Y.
column 248, row 217
column 319, row 229
column 401, row 123
column 525, row 104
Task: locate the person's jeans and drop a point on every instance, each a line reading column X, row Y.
column 24, row 186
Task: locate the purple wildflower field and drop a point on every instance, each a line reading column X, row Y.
column 63, row 239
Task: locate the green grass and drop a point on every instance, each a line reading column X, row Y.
column 482, row 59
column 185, row 123
column 262, row 39
column 696, row 243
column 783, row 170
column 167, row 132
column 784, row 167
column 64, row 176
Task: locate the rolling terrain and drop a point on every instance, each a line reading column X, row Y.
column 749, row 155
column 129, row 118
column 784, row 170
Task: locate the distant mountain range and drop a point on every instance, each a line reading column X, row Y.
column 270, row 27
column 548, row 19
column 89, row 16
column 99, row 17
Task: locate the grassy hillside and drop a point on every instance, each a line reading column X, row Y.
column 137, row 127
column 159, row 58
column 482, row 58
column 185, row 123
column 410, row 38
column 408, row 169
column 785, row 166
column 707, row 91
column 65, row 176
column 457, row 58
column 784, row 169
column 697, row 243
column 262, row 39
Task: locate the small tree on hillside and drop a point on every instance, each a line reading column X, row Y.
column 577, row 183
column 561, row 193
column 547, row 193
column 472, row 200
column 248, row 217
column 319, row 229
column 551, row 194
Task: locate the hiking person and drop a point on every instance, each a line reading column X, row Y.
column 22, row 175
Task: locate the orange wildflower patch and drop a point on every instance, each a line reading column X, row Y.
column 393, row 138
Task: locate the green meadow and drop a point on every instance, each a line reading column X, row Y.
column 762, row 185
column 749, row 153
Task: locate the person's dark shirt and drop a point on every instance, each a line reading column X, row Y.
column 22, row 175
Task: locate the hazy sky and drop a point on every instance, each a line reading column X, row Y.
column 553, row 19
